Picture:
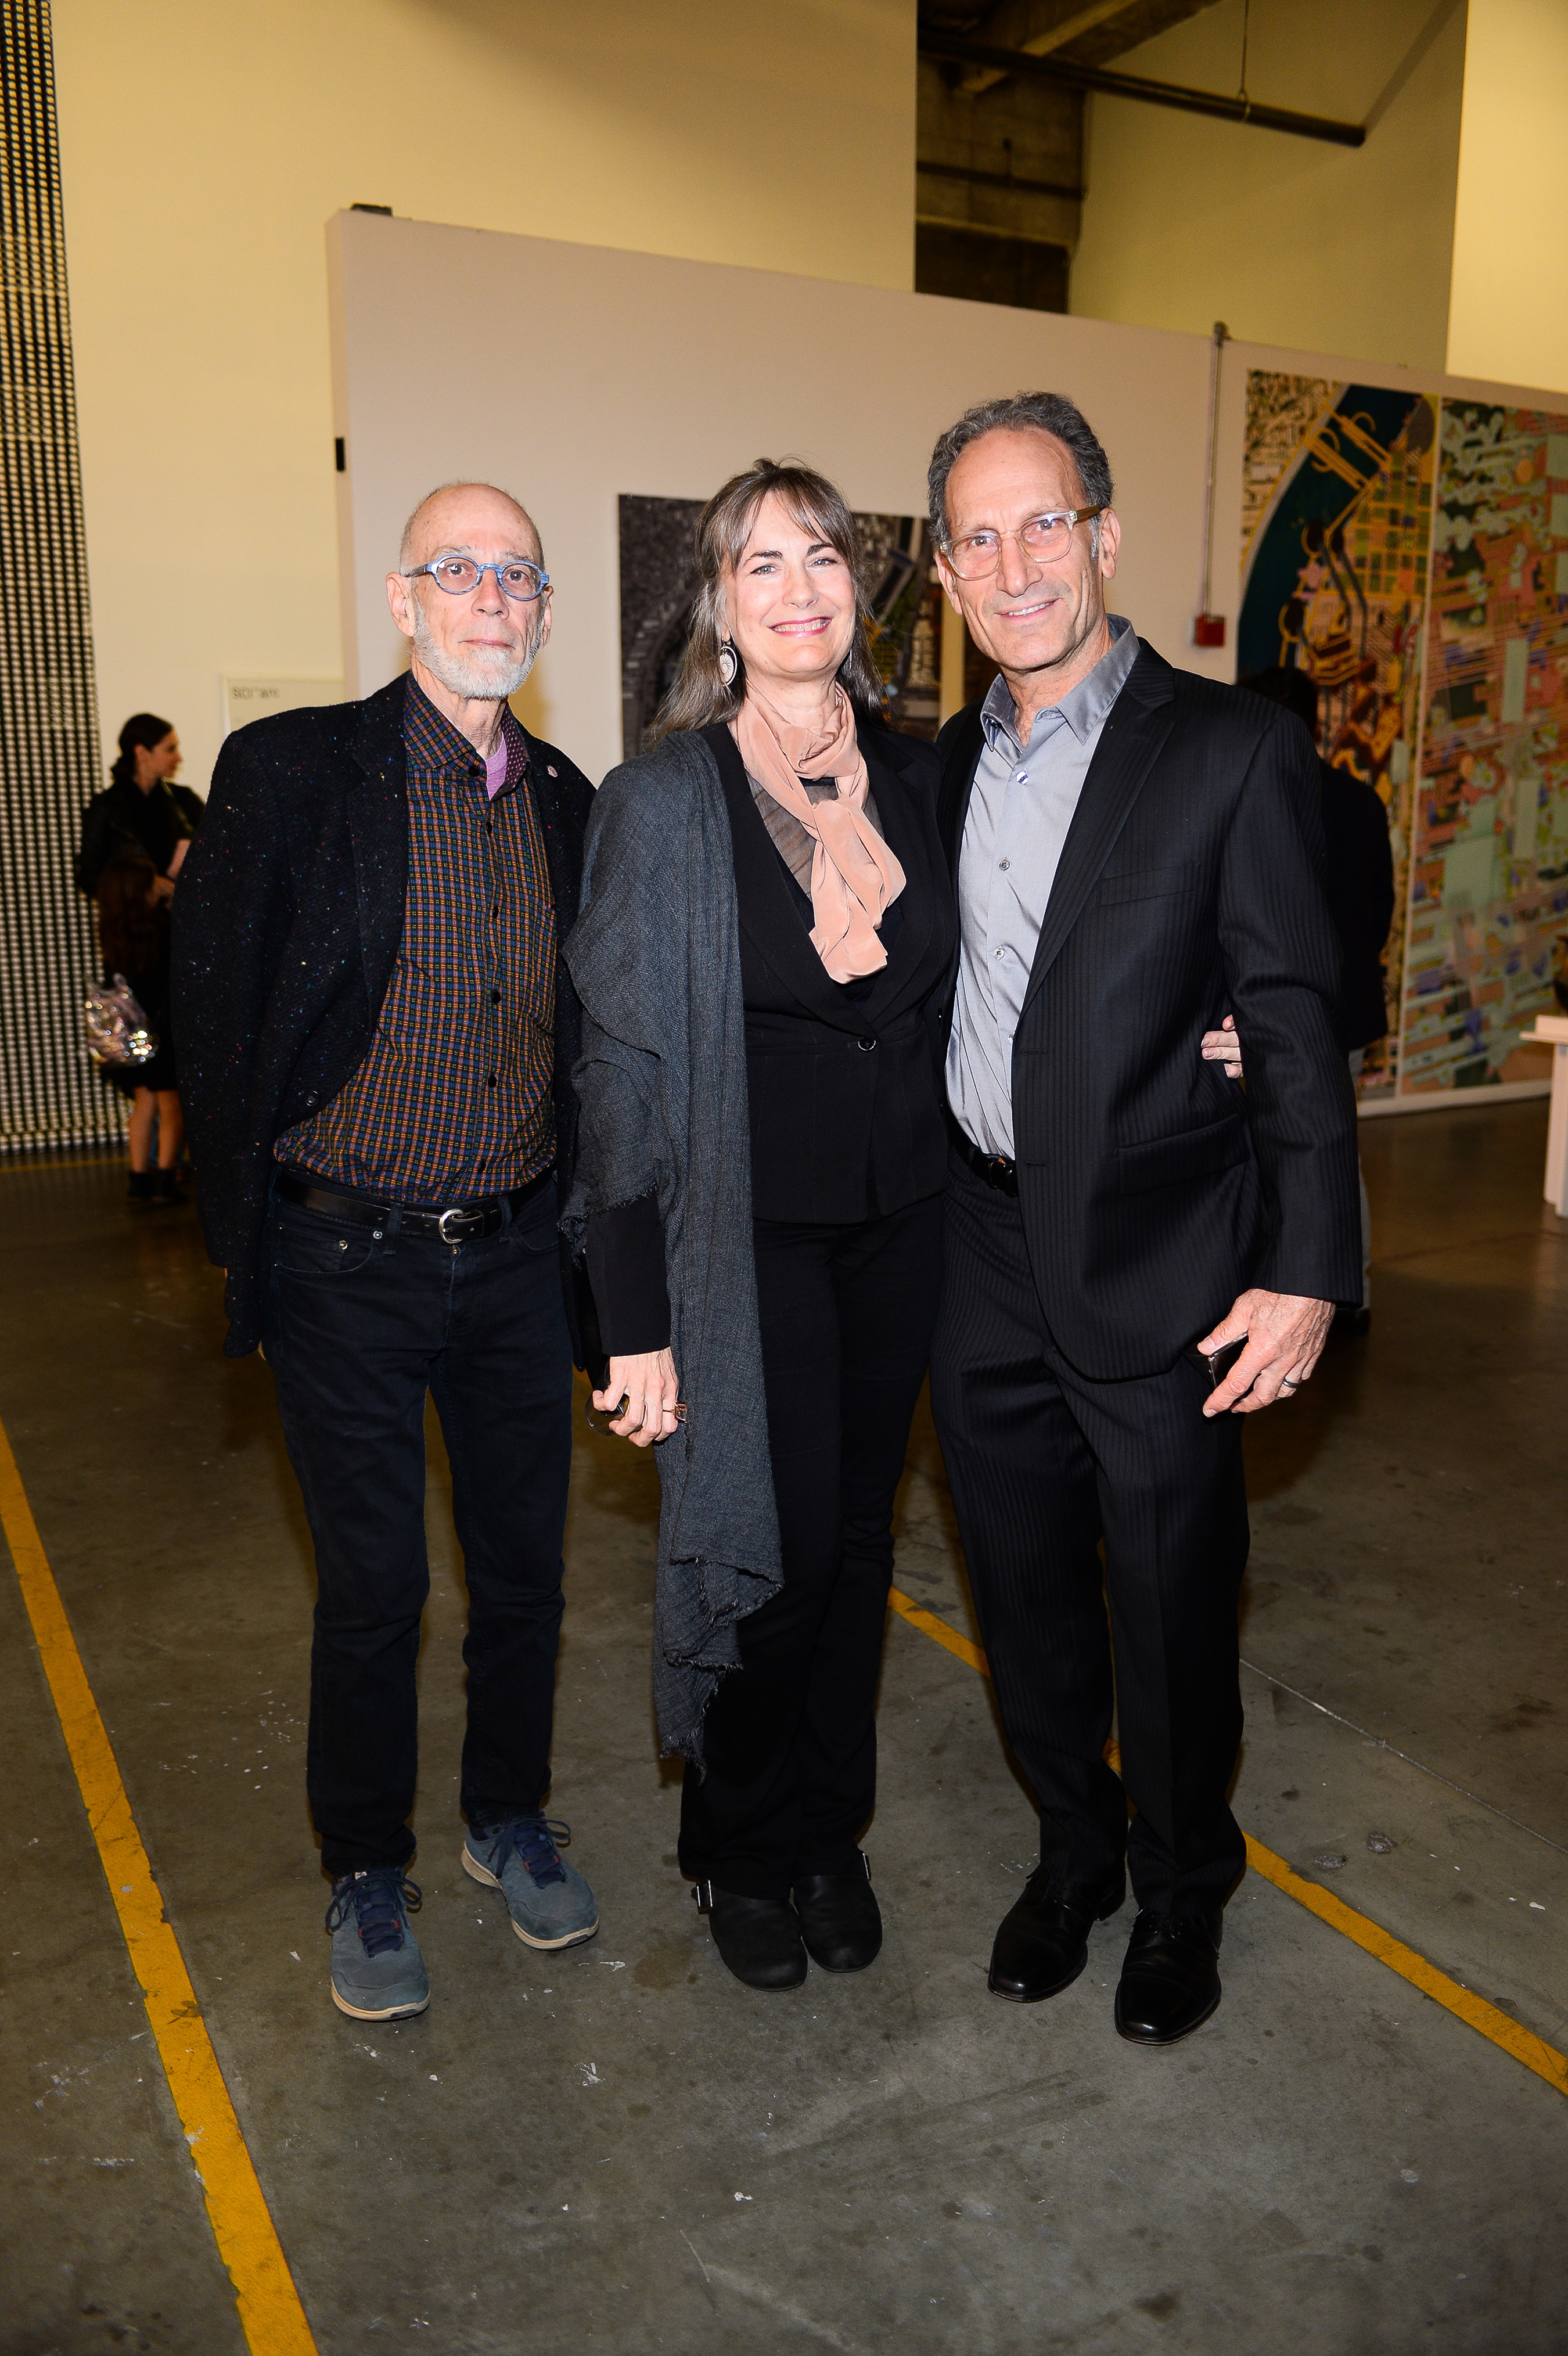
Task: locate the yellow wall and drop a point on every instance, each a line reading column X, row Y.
column 1508, row 311
column 205, row 143
column 1332, row 249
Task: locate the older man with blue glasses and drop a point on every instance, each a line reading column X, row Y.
column 376, row 1033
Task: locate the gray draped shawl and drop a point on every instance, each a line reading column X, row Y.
column 655, row 955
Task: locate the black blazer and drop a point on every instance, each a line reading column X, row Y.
column 1360, row 884
column 1153, row 1191
column 845, row 1116
column 287, row 922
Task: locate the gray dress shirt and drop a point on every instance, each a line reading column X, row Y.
column 1020, row 809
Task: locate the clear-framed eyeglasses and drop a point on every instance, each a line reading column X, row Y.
column 460, row 576
column 1044, row 537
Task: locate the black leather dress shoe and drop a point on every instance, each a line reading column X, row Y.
column 1170, row 1981
column 760, row 1938
column 840, row 1918
column 1043, row 1942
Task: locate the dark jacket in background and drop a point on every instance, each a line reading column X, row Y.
column 1359, row 885
column 125, row 818
column 1153, row 1191
column 287, row 922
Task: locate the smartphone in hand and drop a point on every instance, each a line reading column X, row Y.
column 1217, row 1364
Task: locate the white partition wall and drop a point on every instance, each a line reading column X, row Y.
column 574, row 374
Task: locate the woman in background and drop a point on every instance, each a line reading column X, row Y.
column 134, row 937
column 765, row 920
column 143, row 808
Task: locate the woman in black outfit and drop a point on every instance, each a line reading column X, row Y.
column 845, row 932
column 134, row 940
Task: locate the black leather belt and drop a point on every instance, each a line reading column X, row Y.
column 459, row 1223
column 991, row 1169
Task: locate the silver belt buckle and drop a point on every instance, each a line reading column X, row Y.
column 456, row 1212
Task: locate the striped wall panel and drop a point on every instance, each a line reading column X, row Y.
column 50, row 1093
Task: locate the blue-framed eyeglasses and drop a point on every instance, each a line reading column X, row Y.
column 461, row 576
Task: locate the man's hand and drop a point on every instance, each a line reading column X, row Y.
column 1285, row 1334
column 647, row 1383
column 1223, row 1047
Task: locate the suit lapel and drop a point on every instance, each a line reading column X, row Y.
column 898, row 813
column 1136, row 729
column 563, row 850
column 959, row 765
column 378, row 829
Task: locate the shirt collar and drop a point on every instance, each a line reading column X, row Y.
column 1083, row 710
column 431, row 738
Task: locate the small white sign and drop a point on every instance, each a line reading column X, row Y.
column 251, row 699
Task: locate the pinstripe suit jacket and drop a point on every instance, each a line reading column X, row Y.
column 1154, row 1191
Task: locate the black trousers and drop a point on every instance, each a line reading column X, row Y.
column 1043, row 1465
column 358, row 1331
column 791, row 1737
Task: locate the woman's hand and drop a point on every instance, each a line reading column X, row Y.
column 1223, row 1046
column 648, row 1385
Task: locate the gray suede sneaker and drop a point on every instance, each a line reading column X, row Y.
column 377, row 1973
column 550, row 1904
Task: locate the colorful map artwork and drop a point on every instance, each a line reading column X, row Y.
column 1489, row 867
column 1336, row 521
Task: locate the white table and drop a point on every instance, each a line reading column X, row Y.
column 1551, row 1029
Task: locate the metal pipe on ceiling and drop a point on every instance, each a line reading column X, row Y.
column 955, row 49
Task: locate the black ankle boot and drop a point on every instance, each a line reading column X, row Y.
column 140, row 1189
column 840, row 1918
column 759, row 1938
column 166, row 1187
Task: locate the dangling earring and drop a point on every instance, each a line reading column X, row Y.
column 729, row 663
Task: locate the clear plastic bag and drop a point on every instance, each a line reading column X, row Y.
column 117, row 1030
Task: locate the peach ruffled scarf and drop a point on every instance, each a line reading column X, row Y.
column 854, row 875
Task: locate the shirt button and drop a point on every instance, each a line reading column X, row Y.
column 1006, row 863
column 491, row 1081
column 496, row 909
column 494, row 998
column 1022, row 778
column 1001, row 952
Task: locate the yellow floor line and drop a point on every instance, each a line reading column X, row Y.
column 270, row 2311
column 1521, row 2043
column 937, row 1630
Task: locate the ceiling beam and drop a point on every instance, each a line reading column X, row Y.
column 1084, row 20
column 955, row 49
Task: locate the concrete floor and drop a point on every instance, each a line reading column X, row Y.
column 620, row 2149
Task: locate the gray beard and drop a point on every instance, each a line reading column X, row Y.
column 486, row 681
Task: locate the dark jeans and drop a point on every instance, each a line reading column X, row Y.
column 791, row 1737
column 1043, row 1465
column 358, row 1331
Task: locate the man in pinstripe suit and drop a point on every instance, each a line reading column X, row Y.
column 1136, row 850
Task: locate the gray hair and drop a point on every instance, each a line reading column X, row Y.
column 1044, row 412
column 406, row 545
